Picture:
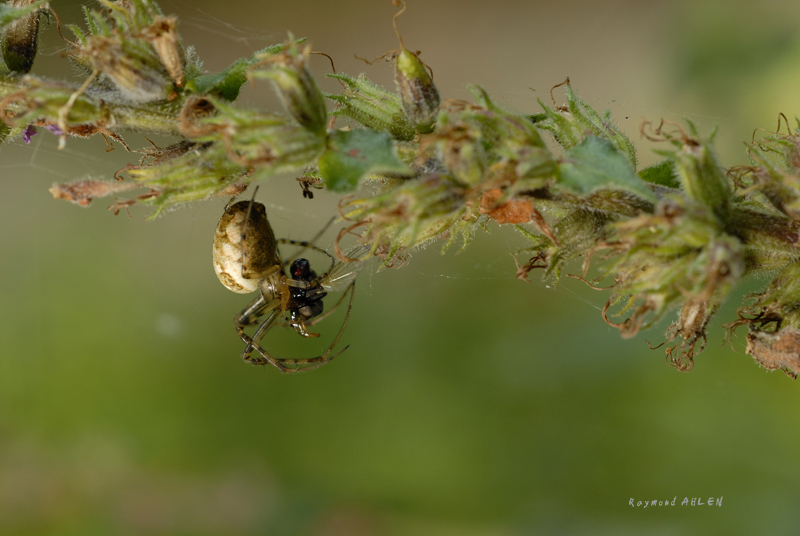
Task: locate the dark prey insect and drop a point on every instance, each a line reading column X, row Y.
column 247, row 259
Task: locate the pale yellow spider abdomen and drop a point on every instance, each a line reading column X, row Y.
column 243, row 254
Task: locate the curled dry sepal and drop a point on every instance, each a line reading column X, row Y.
column 678, row 235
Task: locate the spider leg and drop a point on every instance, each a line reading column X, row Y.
column 252, row 343
column 250, row 315
column 293, row 366
column 305, row 244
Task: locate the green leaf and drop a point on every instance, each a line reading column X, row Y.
column 225, row 84
column 354, row 154
column 596, row 164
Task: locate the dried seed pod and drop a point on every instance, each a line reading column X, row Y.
column 163, row 36
column 20, row 39
column 244, row 246
column 776, row 350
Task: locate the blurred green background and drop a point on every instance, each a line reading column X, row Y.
column 470, row 403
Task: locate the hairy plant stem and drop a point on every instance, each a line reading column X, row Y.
column 418, row 169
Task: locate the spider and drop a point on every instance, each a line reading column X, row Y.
column 246, row 259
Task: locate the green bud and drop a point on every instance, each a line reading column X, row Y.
column 372, row 106
column 416, row 211
column 20, row 38
column 701, row 176
column 507, row 132
column 296, row 86
column 459, row 146
column 703, row 179
column 418, row 94
column 536, row 165
column 267, row 142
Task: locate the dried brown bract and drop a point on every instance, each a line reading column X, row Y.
column 512, row 211
column 163, row 36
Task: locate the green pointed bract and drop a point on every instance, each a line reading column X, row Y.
column 355, row 154
column 418, row 94
column 771, row 240
column 89, row 114
column 372, row 106
column 577, row 230
column 535, row 167
column 132, row 44
column 569, row 127
column 596, row 164
column 662, row 173
column 707, row 283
